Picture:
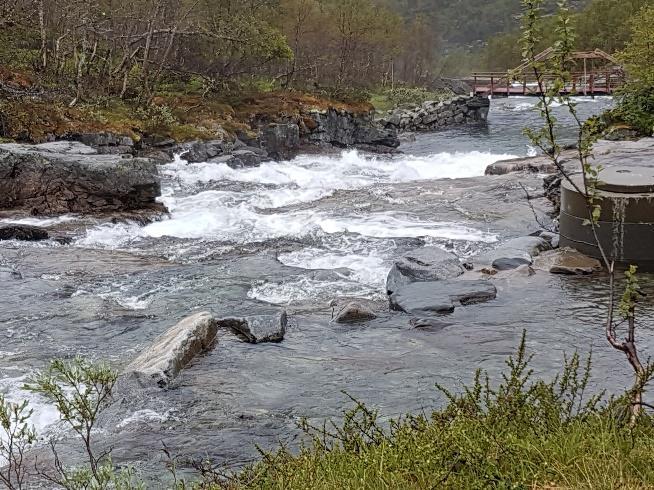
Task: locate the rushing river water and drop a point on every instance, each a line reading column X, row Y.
column 297, row 235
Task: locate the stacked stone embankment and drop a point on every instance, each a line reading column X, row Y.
column 434, row 115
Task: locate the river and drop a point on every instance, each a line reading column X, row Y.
column 296, row 235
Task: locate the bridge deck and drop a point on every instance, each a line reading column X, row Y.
column 604, row 82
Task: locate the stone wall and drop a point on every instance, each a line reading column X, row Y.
column 432, row 115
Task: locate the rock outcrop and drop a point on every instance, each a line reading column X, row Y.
column 423, row 264
column 281, row 141
column 433, row 115
column 171, row 352
column 345, row 129
column 67, row 177
column 440, row 297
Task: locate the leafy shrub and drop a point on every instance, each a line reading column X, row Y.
column 156, row 117
column 406, row 95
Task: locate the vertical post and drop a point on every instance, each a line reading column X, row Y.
column 508, row 86
column 592, row 85
column 524, row 85
column 492, row 85
column 474, row 86
column 608, row 82
column 393, row 75
column 585, row 78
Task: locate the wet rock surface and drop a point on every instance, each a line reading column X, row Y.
column 423, row 264
column 257, row 329
column 567, row 261
column 440, row 297
column 56, row 178
column 354, row 312
column 514, row 253
column 23, row 232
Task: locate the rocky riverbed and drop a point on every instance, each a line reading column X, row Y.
column 287, row 266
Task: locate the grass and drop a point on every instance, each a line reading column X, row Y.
column 521, row 433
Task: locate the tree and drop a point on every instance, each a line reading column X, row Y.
column 636, row 99
column 556, row 69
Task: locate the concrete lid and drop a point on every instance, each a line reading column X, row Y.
column 627, row 180
column 620, row 180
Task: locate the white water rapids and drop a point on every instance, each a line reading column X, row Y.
column 214, row 203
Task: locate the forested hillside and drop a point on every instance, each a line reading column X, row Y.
column 463, row 22
column 130, row 48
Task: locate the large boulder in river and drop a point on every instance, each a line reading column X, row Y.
column 25, row 233
column 439, row 297
column 68, row 177
column 423, row 264
column 257, row 329
column 173, row 350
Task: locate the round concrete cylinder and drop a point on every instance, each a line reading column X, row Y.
column 626, row 225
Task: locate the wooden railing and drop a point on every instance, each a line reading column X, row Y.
column 580, row 83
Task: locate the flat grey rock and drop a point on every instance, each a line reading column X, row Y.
column 423, row 264
column 439, row 297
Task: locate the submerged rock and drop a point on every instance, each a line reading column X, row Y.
column 439, row 297
column 515, row 253
column 257, row 329
column 429, row 324
column 354, row 312
column 172, row 351
column 66, row 177
column 23, row 232
column 9, row 273
column 567, row 261
column 423, row 264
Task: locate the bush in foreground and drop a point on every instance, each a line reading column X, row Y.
column 522, row 433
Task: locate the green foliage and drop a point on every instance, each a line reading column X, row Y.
column 16, row 436
column 631, row 293
column 517, row 433
column 156, row 117
column 636, row 99
column 80, row 390
column 413, row 96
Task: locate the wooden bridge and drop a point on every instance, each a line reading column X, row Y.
column 599, row 74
